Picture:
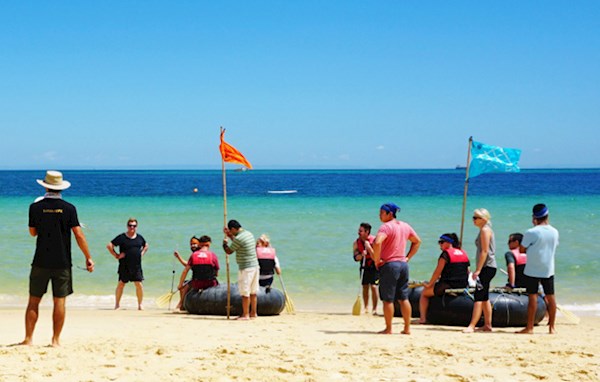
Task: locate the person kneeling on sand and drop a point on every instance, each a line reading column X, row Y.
column 204, row 265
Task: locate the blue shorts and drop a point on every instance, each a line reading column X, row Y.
column 393, row 281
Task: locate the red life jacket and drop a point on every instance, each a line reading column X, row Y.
column 266, row 260
column 456, row 272
column 202, row 265
column 520, row 258
column 360, row 247
column 520, row 261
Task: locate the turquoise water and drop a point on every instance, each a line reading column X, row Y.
column 313, row 236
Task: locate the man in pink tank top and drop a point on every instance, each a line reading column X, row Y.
column 391, row 257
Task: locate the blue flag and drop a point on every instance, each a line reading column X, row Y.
column 486, row 158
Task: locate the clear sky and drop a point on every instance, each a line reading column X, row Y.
column 297, row 84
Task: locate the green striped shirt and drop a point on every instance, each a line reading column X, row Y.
column 244, row 246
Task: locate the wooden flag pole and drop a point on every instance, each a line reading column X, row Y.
column 225, row 225
column 464, row 205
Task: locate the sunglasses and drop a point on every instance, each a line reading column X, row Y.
column 476, row 217
column 441, row 241
column 132, row 225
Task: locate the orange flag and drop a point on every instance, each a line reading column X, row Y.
column 230, row 154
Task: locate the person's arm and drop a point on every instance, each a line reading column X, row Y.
column 436, row 272
column 226, row 248
column 357, row 254
column 415, row 243
column 485, row 236
column 111, row 249
column 144, row 250
column 510, row 269
column 277, row 266
column 368, row 247
column 83, row 245
column 379, row 239
column 183, row 276
column 178, row 257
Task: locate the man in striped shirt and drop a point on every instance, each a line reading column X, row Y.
column 244, row 246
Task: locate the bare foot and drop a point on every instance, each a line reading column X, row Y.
column 405, row 332
column 385, row 331
column 242, row 318
column 24, row 343
column 117, row 307
column 551, row 330
column 525, row 331
column 140, row 307
column 486, row 329
column 422, row 322
column 468, row 330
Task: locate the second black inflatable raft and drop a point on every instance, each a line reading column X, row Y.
column 213, row 301
column 508, row 309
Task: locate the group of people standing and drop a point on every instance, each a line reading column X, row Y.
column 384, row 262
column 52, row 220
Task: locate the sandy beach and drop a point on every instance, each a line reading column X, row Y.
column 153, row 345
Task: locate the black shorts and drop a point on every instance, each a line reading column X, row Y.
column 485, row 276
column 62, row 281
column 126, row 275
column 370, row 276
column 265, row 282
column 532, row 284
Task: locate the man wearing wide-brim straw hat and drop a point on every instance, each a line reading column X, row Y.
column 51, row 221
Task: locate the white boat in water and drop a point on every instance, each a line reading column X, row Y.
column 282, row 191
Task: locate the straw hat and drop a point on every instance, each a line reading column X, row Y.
column 54, row 181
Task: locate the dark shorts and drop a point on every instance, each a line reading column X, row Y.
column 204, row 284
column 370, row 276
column 393, row 281
column 439, row 289
column 485, row 276
column 62, row 281
column 126, row 275
column 265, row 282
column 532, row 284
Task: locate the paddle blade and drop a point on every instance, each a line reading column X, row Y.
column 357, row 307
column 289, row 304
column 570, row 316
column 164, row 300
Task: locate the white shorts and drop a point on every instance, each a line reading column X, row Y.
column 248, row 281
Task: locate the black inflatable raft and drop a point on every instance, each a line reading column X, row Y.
column 455, row 309
column 213, row 301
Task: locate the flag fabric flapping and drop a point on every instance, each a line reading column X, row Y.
column 230, row 154
column 487, row 158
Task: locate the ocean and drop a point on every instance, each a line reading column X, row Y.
column 312, row 227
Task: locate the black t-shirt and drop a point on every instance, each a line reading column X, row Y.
column 132, row 249
column 53, row 219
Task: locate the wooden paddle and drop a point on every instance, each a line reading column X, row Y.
column 289, row 304
column 356, row 308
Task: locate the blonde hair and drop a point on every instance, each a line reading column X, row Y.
column 265, row 239
column 484, row 214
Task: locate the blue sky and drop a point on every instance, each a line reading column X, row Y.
column 305, row 84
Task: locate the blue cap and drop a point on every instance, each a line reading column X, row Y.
column 390, row 207
column 540, row 211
